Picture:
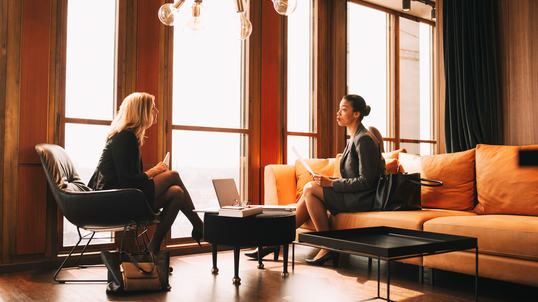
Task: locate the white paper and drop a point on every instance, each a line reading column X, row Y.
column 302, row 160
column 166, row 159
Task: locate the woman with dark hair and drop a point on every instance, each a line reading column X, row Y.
column 120, row 166
column 361, row 166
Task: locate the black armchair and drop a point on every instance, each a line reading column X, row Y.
column 94, row 211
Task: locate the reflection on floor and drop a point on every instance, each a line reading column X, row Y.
column 192, row 281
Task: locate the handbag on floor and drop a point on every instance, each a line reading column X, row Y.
column 401, row 192
column 137, row 272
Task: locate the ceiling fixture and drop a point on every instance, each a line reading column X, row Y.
column 168, row 14
column 406, row 6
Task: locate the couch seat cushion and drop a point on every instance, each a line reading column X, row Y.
column 502, row 186
column 413, row 220
column 501, row 235
column 455, row 170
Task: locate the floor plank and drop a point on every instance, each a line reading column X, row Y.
column 192, row 281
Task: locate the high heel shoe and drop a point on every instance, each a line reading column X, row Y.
column 334, row 256
column 264, row 252
column 197, row 236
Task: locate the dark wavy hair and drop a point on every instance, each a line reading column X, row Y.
column 358, row 104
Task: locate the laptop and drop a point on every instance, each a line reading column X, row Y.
column 226, row 193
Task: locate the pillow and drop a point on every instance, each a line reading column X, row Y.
column 391, row 165
column 502, row 186
column 393, row 154
column 321, row 166
column 455, row 170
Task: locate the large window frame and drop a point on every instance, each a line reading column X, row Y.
column 394, row 140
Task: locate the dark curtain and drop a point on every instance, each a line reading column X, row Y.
column 473, row 108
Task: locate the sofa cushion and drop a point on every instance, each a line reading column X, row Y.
column 391, row 162
column 321, row 166
column 393, row 154
column 502, row 186
column 413, row 220
column 455, row 170
column 501, row 235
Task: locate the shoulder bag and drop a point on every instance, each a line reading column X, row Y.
column 401, row 192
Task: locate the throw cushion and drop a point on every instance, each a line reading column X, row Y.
column 502, row 186
column 321, row 166
column 455, row 170
column 391, row 164
column 393, row 154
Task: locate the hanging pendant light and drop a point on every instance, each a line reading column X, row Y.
column 285, row 7
column 168, row 12
column 242, row 26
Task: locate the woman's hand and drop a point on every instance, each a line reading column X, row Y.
column 158, row 169
column 322, row 180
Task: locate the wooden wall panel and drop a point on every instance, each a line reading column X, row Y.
column 34, row 74
column 270, row 132
column 32, row 209
column 518, row 60
column 148, row 68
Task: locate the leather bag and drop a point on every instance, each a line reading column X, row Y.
column 137, row 272
column 401, row 192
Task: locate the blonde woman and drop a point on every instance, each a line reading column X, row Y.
column 120, row 166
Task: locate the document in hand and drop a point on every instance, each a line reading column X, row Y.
column 239, row 211
column 166, row 159
column 302, row 160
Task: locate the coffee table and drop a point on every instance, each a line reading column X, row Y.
column 389, row 244
column 268, row 228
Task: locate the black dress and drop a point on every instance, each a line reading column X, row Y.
column 120, row 166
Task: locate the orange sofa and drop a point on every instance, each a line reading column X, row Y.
column 485, row 195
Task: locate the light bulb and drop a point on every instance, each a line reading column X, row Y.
column 242, row 27
column 285, row 7
column 195, row 23
column 167, row 13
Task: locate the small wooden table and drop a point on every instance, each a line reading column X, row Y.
column 265, row 229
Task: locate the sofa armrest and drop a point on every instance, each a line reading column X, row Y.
column 280, row 184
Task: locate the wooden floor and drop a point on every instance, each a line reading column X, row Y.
column 192, row 281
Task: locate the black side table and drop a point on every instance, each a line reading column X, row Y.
column 265, row 229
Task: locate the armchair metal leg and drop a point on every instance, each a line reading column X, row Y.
column 80, row 237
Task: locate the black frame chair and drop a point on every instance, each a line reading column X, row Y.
column 94, row 211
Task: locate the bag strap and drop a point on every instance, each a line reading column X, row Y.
column 433, row 183
column 133, row 260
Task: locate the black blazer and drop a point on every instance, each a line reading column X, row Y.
column 361, row 166
column 120, row 166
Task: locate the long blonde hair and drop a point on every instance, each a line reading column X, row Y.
column 135, row 114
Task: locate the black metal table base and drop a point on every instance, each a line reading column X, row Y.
column 421, row 269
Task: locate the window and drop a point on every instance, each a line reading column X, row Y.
column 301, row 109
column 209, row 108
column 404, row 115
column 88, row 113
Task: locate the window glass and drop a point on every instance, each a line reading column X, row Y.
column 207, row 69
column 209, row 92
column 367, row 56
column 200, row 157
column 415, row 81
column 300, row 111
column 90, row 59
column 302, row 144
